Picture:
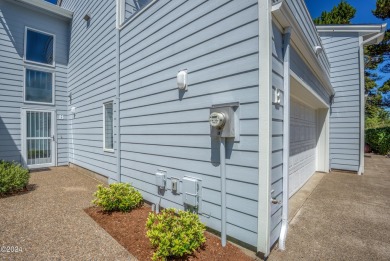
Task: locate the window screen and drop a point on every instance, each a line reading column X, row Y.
column 39, row 47
column 108, row 126
column 38, row 86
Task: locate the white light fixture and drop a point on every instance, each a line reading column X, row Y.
column 73, row 110
column 182, row 80
column 318, row 49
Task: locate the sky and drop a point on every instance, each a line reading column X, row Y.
column 363, row 15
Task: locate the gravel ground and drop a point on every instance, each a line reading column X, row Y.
column 48, row 223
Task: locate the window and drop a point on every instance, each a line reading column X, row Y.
column 38, row 86
column 133, row 6
column 108, row 127
column 39, row 47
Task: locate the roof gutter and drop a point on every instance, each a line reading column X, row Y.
column 46, row 7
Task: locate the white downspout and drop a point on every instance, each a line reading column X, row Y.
column 120, row 13
column 286, row 136
column 362, row 103
column 222, row 165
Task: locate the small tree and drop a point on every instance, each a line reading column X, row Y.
column 340, row 14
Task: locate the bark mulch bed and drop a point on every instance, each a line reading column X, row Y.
column 129, row 230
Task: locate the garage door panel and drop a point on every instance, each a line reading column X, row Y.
column 303, row 142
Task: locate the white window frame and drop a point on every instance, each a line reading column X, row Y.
column 25, row 47
column 104, row 126
column 53, row 93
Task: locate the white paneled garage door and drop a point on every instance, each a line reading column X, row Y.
column 303, row 140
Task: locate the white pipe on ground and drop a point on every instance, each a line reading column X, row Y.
column 286, row 136
column 222, row 165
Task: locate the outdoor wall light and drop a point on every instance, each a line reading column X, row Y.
column 87, row 17
column 318, row 50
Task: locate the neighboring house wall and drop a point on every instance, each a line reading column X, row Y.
column 13, row 20
column 343, row 53
column 92, row 75
column 161, row 127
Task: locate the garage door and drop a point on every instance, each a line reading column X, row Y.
column 303, row 140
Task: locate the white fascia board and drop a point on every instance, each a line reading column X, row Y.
column 353, row 28
column 285, row 18
column 45, row 6
column 371, row 33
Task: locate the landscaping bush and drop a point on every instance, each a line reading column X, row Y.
column 174, row 233
column 379, row 140
column 117, row 197
column 13, row 177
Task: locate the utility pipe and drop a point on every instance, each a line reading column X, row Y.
column 118, row 108
column 286, row 136
column 222, row 165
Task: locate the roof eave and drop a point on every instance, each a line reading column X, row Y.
column 46, row 7
column 353, row 28
column 285, row 17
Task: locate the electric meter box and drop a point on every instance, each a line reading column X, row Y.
column 228, row 123
column 191, row 191
column 161, row 178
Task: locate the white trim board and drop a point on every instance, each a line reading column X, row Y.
column 265, row 127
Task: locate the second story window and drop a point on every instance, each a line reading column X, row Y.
column 38, row 86
column 133, row 6
column 39, row 47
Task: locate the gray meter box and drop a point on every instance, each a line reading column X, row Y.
column 231, row 127
column 191, row 191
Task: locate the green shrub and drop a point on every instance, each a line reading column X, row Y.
column 117, row 197
column 174, row 233
column 13, row 177
column 379, row 140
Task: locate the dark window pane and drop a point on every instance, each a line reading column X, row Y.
column 39, row 47
column 39, row 86
column 133, row 6
column 52, row 1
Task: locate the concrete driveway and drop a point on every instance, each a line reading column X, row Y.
column 49, row 223
column 346, row 217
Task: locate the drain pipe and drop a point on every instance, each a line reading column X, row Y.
column 286, row 136
column 119, row 20
column 222, row 165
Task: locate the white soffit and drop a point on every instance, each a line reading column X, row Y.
column 282, row 14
